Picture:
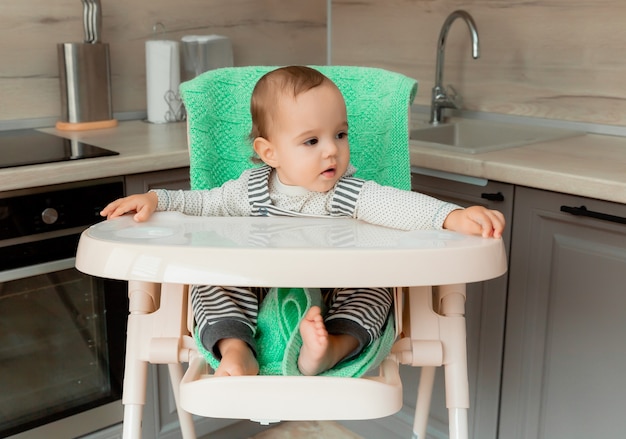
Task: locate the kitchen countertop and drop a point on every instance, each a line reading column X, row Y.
column 590, row 165
column 143, row 147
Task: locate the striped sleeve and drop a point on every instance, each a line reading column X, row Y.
column 345, row 196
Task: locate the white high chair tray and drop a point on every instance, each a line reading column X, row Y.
column 283, row 252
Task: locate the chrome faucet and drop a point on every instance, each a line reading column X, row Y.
column 448, row 97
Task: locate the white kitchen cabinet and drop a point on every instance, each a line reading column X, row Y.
column 564, row 372
column 485, row 316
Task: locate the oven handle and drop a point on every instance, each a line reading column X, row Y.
column 37, row 269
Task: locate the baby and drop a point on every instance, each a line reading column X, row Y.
column 300, row 133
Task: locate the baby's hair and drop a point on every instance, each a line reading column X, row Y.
column 290, row 80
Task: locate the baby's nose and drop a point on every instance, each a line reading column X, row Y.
column 330, row 148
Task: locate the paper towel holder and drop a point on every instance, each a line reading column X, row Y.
column 162, row 80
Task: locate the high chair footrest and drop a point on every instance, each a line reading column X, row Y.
column 291, row 398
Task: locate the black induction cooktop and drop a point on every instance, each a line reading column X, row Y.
column 31, row 147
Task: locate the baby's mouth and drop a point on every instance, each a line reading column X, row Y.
column 330, row 172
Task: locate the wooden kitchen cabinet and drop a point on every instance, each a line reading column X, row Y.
column 170, row 179
column 485, row 315
column 564, row 373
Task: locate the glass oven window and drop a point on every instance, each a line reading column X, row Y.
column 61, row 331
column 54, row 359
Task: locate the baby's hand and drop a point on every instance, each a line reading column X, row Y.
column 143, row 204
column 476, row 220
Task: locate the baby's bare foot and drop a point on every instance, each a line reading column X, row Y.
column 320, row 350
column 315, row 343
column 237, row 358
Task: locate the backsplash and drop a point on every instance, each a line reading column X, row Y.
column 264, row 32
column 554, row 59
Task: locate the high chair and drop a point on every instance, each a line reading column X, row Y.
column 427, row 269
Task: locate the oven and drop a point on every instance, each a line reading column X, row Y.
column 62, row 333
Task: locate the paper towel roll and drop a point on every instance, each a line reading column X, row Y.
column 205, row 52
column 162, row 81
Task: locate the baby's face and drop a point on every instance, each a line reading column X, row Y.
column 310, row 138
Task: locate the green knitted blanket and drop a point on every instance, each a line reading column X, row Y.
column 279, row 341
column 377, row 101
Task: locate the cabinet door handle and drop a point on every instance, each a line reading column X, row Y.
column 492, row 197
column 583, row 211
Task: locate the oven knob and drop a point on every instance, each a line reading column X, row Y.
column 50, row 215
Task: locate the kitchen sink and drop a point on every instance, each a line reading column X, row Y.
column 476, row 136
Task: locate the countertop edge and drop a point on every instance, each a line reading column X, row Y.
column 591, row 165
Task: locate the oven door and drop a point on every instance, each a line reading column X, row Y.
column 61, row 351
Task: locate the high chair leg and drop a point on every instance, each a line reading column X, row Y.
column 457, row 418
column 184, row 418
column 422, row 407
column 437, row 337
column 156, row 334
column 133, row 414
column 143, row 299
column 451, row 299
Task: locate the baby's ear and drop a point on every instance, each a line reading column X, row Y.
column 265, row 150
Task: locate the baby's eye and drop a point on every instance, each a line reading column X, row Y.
column 311, row 142
column 342, row 135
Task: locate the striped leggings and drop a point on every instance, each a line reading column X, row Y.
column 231, row 312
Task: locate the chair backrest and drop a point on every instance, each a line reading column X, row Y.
column 219, row 122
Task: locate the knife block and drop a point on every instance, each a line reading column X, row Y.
column 85, row 79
